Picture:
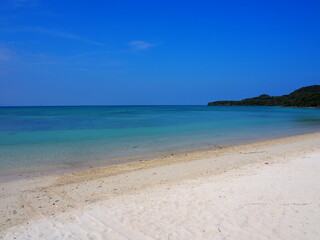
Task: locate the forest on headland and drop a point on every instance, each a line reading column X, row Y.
column 303, row 97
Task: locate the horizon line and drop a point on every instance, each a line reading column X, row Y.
column 102, row 105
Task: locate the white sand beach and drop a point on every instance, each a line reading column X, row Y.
column 264, row 190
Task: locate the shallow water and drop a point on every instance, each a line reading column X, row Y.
column 52, row 136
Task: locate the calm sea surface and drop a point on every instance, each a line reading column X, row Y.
column 70, row 136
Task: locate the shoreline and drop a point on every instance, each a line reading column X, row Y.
column 29, row 200
column 13, row 174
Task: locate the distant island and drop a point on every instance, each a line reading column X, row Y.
column 303, row 97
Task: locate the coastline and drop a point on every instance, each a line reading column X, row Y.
column 30, row 200
column 13, row 174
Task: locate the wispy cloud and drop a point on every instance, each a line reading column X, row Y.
column 63, row 35
column 24, row 3
column 13, row 9
column 141, row 45
column 89, row 60
column 54, row 33
column 5, row 54
column 15, row 4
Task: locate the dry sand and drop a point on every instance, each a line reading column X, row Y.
column 266, row 190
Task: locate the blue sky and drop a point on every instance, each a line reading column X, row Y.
column 55, row 52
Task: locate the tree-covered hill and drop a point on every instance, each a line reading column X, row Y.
column 303, row 97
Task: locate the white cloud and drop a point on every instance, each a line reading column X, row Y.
column 141, row 45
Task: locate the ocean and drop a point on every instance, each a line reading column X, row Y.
column 41, row 138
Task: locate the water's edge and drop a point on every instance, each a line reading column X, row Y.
column 48, row 170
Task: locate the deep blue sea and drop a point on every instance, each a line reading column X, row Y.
column 33, row 137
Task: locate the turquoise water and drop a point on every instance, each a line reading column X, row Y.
column 71, row 136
